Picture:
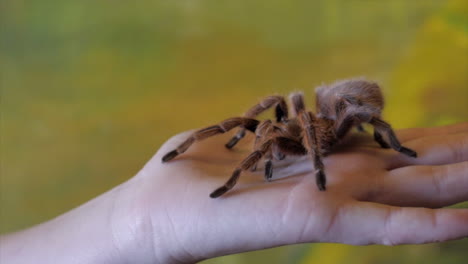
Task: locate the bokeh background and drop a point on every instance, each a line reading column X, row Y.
column 91, row 89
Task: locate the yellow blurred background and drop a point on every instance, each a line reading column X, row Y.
column 91, row 89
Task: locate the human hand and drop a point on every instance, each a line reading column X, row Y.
column 369, row 199
column 165, row 215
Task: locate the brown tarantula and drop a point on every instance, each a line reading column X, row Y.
column 340, row 106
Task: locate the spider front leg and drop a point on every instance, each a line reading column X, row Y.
column 347, row 121
column 224, row 126
column 246, row 164
column 310, row 139
column 311, row 144
column 385, row 128
column 281, row 112
column 379, row 139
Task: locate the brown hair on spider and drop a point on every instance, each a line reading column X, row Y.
column 340, row 106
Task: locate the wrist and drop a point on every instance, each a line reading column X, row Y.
column 99, row 231
column 145, row 216
column 130, row 226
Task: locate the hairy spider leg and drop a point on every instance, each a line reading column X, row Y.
column 349, row 120
column 310, row 140
column 385, row 128
column 246, row 164
column 256, row 142
column 268, row 165
column 224, row 126
column 379, row 139
column 281, row 113
column 263, row 129
column 380, row 127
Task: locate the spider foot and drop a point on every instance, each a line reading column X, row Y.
column 408, row 152
column 232, row 142
column 320, row 180
column 268, row 170
column 218, row 192
column 169, row 156
column 235, row 139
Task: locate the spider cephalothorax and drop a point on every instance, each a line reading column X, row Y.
column 340, row 106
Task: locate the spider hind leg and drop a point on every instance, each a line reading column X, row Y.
column 310, row 140
column 379, row 139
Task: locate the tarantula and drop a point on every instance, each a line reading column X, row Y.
column 340, row 106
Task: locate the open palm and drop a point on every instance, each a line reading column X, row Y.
column 370, row 197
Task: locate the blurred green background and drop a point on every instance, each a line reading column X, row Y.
column 91, row 89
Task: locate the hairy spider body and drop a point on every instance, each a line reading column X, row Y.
column 340, row 106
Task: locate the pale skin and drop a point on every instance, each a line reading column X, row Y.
column 165, row 215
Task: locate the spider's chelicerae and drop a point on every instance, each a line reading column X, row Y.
column 340, row 106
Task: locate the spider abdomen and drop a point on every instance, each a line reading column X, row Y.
column 357, row 95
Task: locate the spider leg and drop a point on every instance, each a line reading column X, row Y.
column 276, row 151
column 345, row 121
column 224, row 126
column 281, row 112
column 385, row 128
column 257, row 140
column 349, row 120
column 246, row 164
column 236, row 138
column 345, row 125
column 268, row 166
column 310, row 140
column 379, row 139
column 278, row 154
column 263, row 129
column 266, row 129
column 281, row 147
column 311, row 144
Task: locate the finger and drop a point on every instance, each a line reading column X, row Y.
column 414, row 133
column 433, row 150
column 363, row 223
column 427, row 186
